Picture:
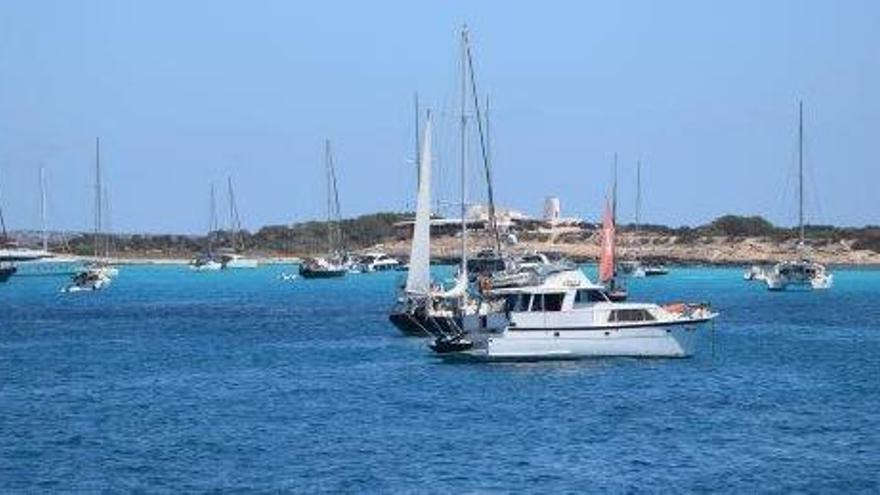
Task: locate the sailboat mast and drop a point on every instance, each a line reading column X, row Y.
column 97, row 196
column 232, row 230
column 614, row 215
column 212, row 220
column 463, row 137
column 4, row 237
column 638, row 192
column 801, row 169
column 43, row 224
column 483, row 147
column 418, row 147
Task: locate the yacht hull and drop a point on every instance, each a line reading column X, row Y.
column 314, row 274
column 660, row 341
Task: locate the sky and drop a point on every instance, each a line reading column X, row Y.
column 184, row 94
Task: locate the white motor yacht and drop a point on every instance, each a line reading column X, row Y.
column 377, row 262
column 566, row 317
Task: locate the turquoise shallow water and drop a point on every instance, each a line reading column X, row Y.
column 172, row 380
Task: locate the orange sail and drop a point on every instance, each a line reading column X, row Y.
column 606, row 258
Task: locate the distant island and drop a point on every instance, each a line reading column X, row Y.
column 729, row 239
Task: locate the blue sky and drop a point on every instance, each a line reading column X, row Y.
column 184, row 93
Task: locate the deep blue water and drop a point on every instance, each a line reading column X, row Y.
column 175, row 381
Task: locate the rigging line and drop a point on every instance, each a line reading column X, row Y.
column 483, row 148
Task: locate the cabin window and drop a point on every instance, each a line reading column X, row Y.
column 538, row 302
column 553, row 302
column 630, row 315
column 518, row 302
column 585, row 296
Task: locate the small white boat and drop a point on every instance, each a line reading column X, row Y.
column 568, row 317
column 377, row 262
column 755, row 273
column 90, row 279
column 804, row 275
column 205, row 263
column 632, row 269
column 230, row 261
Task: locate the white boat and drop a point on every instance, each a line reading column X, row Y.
column 755, row 273
column 208, row 261
column 566, row 317
column 98, row 273
column 336, row 264
column 632, row 269
column 90, row 279
column 233, row 259
column 413, row 304
column 377, row 262
column 801, row 273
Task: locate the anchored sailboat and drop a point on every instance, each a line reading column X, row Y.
column 333, row 265
column 207, row 261
column 801, row 273
column 410, row 313
column 98, row 274
column 234, row 257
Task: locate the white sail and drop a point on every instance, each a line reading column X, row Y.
column 418, row 280
column 459, row 289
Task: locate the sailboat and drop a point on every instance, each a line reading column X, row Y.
column 207, row 261
column 233, row 257
column 333, row 265
column 42, row 262
column 98, row 274
column 411, row 311
column 801, row 273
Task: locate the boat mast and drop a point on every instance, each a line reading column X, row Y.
column 4, row 239
column 493, row 223
column 638, row 193
column 801, row 170
column 614, row 214
column 418, row 147
column 97, row 196
column 45, row 233
column 212, row 221
column 463, row 137
column 232, row 228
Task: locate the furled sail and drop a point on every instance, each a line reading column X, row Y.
column 606, row 257
column 418, row 280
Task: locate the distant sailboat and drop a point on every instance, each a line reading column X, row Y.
column 333, row 265
column 233, row 258
column 208, row 261
column 99, row 273
column 801, row 273
column 44, row 262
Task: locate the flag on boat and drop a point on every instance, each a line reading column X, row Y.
column 606, row 257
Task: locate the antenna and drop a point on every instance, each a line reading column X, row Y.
column 463, row 130
column 43, row 208
column 98, row 201
column 801, row 169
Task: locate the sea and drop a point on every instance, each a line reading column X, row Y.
column 173, row 381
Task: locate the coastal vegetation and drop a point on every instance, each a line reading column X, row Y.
column 310, row 237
